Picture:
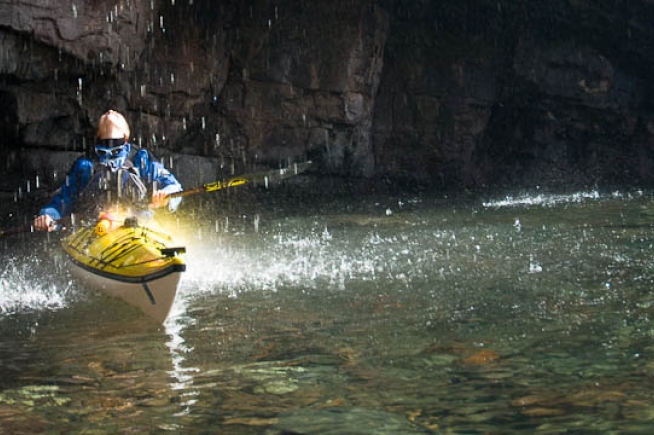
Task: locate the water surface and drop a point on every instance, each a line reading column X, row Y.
column 394, row 314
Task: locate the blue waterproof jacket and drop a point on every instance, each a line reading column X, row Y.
column 150, row 171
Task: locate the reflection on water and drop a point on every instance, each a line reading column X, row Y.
column 388, row 315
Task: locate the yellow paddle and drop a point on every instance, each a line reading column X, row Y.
column 254, row 178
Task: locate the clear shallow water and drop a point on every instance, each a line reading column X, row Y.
column 386, row 315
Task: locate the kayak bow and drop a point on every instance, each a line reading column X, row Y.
column 134, row 263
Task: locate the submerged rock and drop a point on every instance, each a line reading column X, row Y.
column 353, row 421
column 34, row 395
column 482, row 357
column 271, row 379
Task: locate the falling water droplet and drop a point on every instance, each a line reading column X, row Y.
column 326, row 234
column 534, row 266
column 79, row 91
column 74, row 11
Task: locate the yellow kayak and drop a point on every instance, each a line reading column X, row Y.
column 124, row 259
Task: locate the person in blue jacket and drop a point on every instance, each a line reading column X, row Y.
column 115, row 174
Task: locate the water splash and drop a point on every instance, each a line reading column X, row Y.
column 313, row 260
column 21, row 290
column 545, row 200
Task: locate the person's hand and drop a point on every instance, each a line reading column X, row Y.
column 44, row 223
column 159, row 199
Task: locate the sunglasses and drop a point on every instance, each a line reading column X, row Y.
column 110, row 147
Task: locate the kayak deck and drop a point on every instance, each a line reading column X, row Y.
column 132, row 262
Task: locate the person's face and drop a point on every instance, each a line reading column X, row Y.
column 112, row 152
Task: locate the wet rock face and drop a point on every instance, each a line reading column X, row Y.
column 516, row 92
column 452, row 94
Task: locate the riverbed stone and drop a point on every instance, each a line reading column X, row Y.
column 356, row 421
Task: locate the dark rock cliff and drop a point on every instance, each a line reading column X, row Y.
column 450, row 93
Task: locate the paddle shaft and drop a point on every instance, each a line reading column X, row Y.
column 258, row 177
column 16, row 230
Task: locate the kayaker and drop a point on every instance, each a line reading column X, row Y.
column 113, row 159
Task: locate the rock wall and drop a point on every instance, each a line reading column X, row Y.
column 534, row 92
column 450, row 93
